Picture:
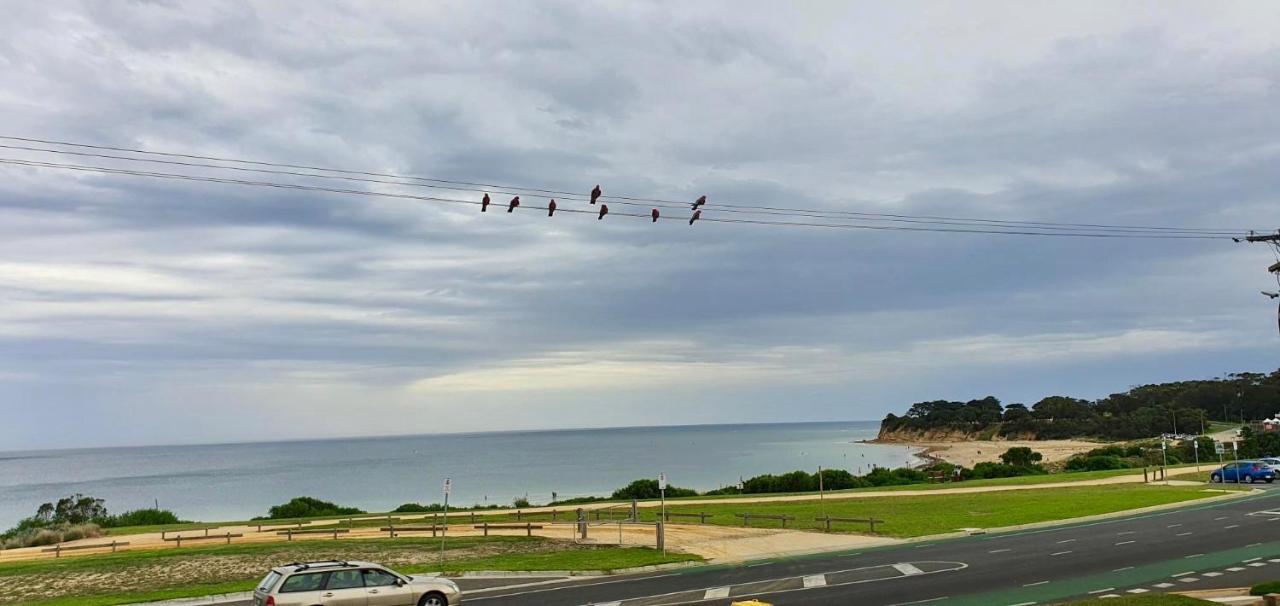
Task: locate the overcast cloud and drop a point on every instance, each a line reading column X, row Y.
column 145, row 311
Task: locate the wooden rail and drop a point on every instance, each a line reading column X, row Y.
column 57, row 550
column 228, row 536
column 334, row 531
column 828, row 520
column 702, row 517
column 528, row 527
column 392, row 530
column 746, row 518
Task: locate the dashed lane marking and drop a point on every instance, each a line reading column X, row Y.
column 815, row 580
column 1212, row 574
column 999, row 550
column 1104, row 590
column 1138, row 590
column 1182, row 574
column 1066, row 541
column 1035, row 583
column 1188, row 579
column 1124, row 543
column 1059, row 553
column 1163, row 585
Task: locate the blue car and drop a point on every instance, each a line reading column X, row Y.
column 1247, row 472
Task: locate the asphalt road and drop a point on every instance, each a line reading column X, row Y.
column 1227, row 543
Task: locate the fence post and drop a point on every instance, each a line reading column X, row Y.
column 784, row 520
column 519, row 515
column 486, row 529
column 228, row 538
column 162, row 534
column 872, row 520
column 113, row 546
column 553, row 514
column 582, row 523
column 662, row 536
column 179, row 541
column 57, row 551
column 528, row 528
column 635, row 511
column 206, row 532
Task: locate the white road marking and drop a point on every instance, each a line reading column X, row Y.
column 1065, row 541
column 1173, row 525
column 1257, row 564
column 1235, row 569
column 999, row 550
column 1123, row 569
column 1230, row 527
column 1185, row 534
column 1188, row 579
column 1212, row 574
column 1102, row 590
column 1138, row 590
column 1163, row 585
column 907, row 569
column 1194, row 555
column 1124, row 543
column 941, row 597
column 1127, row 532
column 1183, row 574
column 1023, row 604
column 815, row 580
column 716, row 592
column 1220, row 519
column 1059, row 553
column 1250, row 560
column 1035, row 583
column 611, row 604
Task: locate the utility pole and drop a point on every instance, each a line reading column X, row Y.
column 1274, row 241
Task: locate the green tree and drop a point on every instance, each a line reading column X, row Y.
column 1021, row 456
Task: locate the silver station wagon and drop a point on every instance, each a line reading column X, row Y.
column 351, row 584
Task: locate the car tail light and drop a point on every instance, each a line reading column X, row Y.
column 271, row 601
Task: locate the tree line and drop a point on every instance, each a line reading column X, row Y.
column 1141, row 412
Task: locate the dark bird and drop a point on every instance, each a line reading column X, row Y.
column 551, row 208
column 595, row 194
column 484, row 204
column 697, row 214
column 514, row 203
column 604, row 210
column 654, row 213
column 699, row 202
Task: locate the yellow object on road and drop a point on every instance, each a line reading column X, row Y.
column 751, row 603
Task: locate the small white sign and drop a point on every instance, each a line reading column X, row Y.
column 448, row 485
column 662, row 481
column 1219, row 447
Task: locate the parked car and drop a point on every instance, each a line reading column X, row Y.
column 1247, row 472
column 349, row 584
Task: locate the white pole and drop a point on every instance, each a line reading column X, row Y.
column 444, row 529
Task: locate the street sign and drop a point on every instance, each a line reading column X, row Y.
column 662, row 481
column 1219, row 447
column 448, row 484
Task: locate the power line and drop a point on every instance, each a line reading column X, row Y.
column 571, row 196
column 417, row 181
column 294, row 186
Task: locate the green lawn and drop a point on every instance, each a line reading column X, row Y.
column 461, row 516
column 170, row 573
column 924, row 515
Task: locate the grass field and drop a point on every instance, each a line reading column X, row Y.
column 162, row 574
column 462, row 517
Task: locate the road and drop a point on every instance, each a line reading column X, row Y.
column 1227, row 543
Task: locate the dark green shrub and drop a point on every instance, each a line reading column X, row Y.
column 418, row 508
column 1096, row 463
column 140, row 517
column 1265, row 588
column 308, row 507
column 647, row 488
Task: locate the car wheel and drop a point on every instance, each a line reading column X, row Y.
column 433, row 599
column 1215, row 478
column 1248, row 479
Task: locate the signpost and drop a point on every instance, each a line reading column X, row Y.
column 448, row 486
column 1235, row 459
column 1195, row 445
column 662, row 527
column 1164, row 454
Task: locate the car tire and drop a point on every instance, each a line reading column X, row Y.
column 1248, row 479
column 433, row 598
column 1215, row 479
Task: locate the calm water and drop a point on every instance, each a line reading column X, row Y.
column 237, row 481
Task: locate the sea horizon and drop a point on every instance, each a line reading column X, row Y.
column 233, row 481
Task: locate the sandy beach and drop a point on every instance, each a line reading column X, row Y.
column 968, row 453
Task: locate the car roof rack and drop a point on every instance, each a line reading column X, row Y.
column 306, row 565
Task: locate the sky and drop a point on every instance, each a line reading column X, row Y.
column 143, row 311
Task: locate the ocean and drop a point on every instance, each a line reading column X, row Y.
column 237, row 481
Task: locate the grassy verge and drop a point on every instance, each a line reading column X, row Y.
column 462, row 517
column 923, row 515
column 164, row 574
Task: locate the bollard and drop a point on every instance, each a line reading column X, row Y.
column 1272, row 599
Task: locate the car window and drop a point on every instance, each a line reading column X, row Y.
column 378, row 578
column 344, row 579
column 311, row 581
column 269, row 581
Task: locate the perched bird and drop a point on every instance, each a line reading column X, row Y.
column 514, row 203
column 551, row 208
column 595, row 194
column 699, row 202
column 484, row 204
column 604, row 210
column 697, row 214
column 654, row 214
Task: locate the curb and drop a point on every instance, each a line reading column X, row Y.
column 221, row 598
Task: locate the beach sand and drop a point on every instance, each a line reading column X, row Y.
column 968, row 453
